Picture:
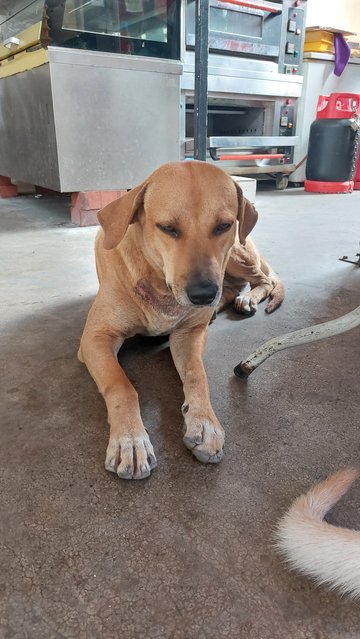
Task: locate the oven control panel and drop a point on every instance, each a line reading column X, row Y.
column 287, row 120
column 294, row 39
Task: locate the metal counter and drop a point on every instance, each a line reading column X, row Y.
column 67, row 136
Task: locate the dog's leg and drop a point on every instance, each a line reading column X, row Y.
column 247, row 264
column 264, row 284
column 203, row 433
column 129, row 453
column 261, row 286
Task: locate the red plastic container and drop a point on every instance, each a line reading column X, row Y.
column 357, row 176
column 315, row 186
column 337, row 106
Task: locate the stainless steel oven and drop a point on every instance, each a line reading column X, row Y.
column 253, row 29
column 250, row 28
column 252, row 136
column 254, row 82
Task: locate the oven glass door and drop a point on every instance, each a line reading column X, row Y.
column 224, row 20
column 140, row 27
column 240, row 29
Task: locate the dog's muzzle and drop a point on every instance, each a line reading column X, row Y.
column 202, row 293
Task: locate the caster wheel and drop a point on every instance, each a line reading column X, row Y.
column 281, row 182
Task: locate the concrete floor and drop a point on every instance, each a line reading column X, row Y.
column 186, row 554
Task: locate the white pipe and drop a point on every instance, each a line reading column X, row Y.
column 296, row 338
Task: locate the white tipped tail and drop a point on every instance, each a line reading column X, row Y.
column 276, row 296
column 329, row 554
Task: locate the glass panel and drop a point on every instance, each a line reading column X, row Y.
column 140, row 19
column 134, row 27
column 233, row 24
column 20, row 18
column 236, row 23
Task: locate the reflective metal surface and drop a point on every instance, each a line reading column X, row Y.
column 99, row 59
column 89, row 121
column 27, row 128
column 245, row 142
column 115, row 136
column 246, row 86
column 257, row 170
column 232, row 64
column 246, row 48
column 242, row 77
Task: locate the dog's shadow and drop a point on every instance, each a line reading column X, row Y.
column 148, row 364
column 50, row 393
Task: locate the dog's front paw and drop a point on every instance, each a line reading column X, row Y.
column 245, row 304
column 130, row 457
column 205, row 438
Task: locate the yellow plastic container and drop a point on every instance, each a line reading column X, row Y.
column 321, row 47
column 319, row 40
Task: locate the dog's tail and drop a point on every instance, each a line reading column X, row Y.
column 276, row 296
column 278, row 291
column 329, row 554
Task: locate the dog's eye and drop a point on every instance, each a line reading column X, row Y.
column 222, row 228
column 169, row 230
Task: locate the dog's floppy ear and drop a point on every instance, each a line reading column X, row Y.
column 247, row 215
column 116, row 216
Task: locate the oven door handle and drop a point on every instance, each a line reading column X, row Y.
column 253, row 5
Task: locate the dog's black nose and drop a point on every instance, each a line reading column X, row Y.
column 202, row 293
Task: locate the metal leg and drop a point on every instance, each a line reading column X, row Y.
column 303, row 336
column 201, row 78
column 346, row 259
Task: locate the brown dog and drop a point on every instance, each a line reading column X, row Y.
column 161, row 257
